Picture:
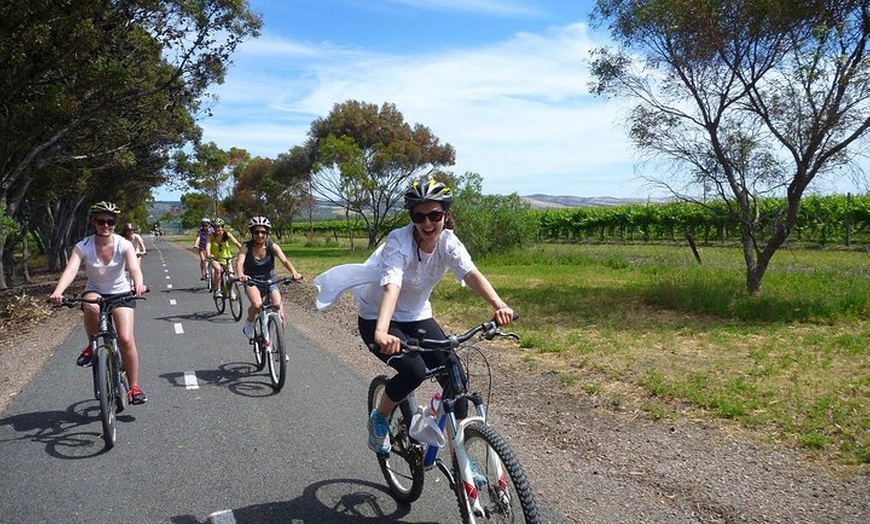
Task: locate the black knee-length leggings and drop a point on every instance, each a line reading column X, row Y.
column 411, row 368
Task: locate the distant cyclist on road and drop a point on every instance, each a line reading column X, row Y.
column 257, row 260
column 135, row 238
column 107, row 258
column 220, row 246
column 200, row 243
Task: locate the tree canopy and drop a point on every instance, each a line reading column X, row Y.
column 746, row 98
column 96, row 95
column 362, row 157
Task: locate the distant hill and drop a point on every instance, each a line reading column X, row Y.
column 326, row 210
column 159, row 210
column 538, row 201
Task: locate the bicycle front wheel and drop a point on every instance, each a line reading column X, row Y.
column 276, row 353
column 235, row 292
column 500, row 483
column 106, row 386
column 403, row 466
column 220, row 303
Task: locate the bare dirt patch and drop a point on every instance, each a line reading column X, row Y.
column 589, row 461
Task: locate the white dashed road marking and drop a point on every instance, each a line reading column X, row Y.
column 222, row 517
column 178, row 329
column 190, row 380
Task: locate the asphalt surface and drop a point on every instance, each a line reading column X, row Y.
column 214, row 443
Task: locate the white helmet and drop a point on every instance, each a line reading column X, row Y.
column 259, row 221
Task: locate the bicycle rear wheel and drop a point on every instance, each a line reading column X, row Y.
column 209, row 274
column 259, row 346
column 403, row 466
column 500, row 483
column 121, row 381
column 276, row 353
column 235, row 290
column 103, row 363
column 94, row 371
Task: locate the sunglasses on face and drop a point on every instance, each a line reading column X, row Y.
column 433, row 216
column 259, row 232
column 104, row 222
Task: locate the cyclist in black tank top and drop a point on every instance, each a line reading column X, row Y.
column 257, row 260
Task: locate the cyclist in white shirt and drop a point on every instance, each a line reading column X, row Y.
column 107, row 258
column 392, row 292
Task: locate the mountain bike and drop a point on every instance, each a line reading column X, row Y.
column 110, row 379
column 481, row 469
column 229, row 289
column 268, row 340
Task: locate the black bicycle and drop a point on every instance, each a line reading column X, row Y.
column 484, row 473
column 110, row 379
column 268, row 340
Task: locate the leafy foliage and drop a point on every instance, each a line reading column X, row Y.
column 746, row 98
column 490, row 224
column 822, row 220
column 363, row 157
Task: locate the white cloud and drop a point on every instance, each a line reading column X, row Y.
column 518, row 112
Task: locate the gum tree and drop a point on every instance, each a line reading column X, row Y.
column 744, row 99
column 364, row 156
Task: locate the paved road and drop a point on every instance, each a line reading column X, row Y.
column 213, row 444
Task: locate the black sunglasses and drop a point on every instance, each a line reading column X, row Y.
column 433, row 216
column 260, row 232
column 104, row 222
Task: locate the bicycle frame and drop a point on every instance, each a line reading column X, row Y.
column 455, row 391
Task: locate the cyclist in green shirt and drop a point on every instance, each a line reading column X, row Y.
column 220, row 246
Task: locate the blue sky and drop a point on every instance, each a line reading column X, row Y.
column 504, row 82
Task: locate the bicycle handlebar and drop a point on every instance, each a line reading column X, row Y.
column 72, row 302
column 268, row 282
column 489, row 328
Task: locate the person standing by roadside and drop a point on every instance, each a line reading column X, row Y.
column 107, row 259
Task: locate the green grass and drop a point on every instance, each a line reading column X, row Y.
column 646, row 328
column 792, row 364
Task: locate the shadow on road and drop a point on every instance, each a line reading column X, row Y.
column 241, row 378
column 336, row 501
column 62, row 432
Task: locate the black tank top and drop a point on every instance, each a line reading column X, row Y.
column 260, row 269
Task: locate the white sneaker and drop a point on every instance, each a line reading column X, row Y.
column 248, row 329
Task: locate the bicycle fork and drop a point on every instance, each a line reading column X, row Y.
column 456, row 439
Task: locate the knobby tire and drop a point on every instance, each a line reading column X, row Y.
column 505, row 499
